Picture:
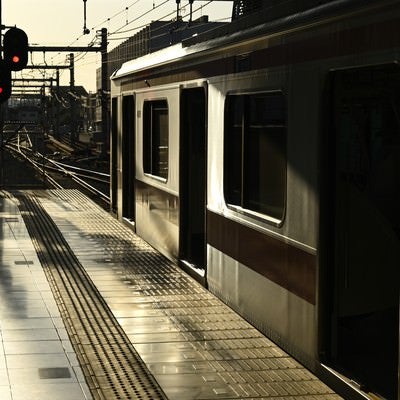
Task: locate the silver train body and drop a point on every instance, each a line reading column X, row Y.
column 266, row 162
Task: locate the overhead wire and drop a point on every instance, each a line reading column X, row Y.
column 119, row 13
column 154, row 7
column 118, row 31
column 121, row 30
column 139, row 17
column 161, row 27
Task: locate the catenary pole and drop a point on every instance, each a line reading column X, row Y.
column 104, row 85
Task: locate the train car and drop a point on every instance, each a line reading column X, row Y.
column 264, row 158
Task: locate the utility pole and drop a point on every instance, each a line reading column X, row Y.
column 104, row 72
column 57, row 127
column 86, row 31
column 1, row 111
column 104, row 86
column 57, row 91
column 104, row 75
column 73, row 102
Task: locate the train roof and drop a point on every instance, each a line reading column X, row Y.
column 159, row 57
column 242, row 30
column 173, row 54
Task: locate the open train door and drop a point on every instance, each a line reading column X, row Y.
column 192, row 183
column 128, row 158
column 114, row 155
column 365, row 226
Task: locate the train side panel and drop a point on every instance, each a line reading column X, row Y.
column 302, row 228
column 264, row 266
column 157, row 180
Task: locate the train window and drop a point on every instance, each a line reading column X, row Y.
column 155, row 138
column 255, row 153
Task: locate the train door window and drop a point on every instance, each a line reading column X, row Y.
column 255, row 153
column 155, row 138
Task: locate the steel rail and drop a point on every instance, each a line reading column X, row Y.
column 83, row 169
column 82, row 183
column 92, row 178
column 37, row 166
column 40, row 166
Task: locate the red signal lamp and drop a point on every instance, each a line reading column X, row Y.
column 5, row 82
column 15, row 46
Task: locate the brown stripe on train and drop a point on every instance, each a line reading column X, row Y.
column 288, row 266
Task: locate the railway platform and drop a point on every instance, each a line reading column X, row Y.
column 90, row 311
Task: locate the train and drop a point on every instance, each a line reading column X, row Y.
column 263, row 157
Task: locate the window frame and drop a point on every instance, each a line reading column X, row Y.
column 147, row 146
column 241, row 208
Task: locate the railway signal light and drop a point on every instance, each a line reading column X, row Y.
column 15, row 49
column 5, row 82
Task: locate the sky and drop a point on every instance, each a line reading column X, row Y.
column 61, row 22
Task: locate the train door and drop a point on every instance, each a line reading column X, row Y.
column 366, row 226
column 192, row 241
column 114, row 154
column 128, row 158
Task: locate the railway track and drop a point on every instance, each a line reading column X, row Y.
column 59, row 170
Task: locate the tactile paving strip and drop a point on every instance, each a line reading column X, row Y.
column 112, row 367
column 195, row 346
